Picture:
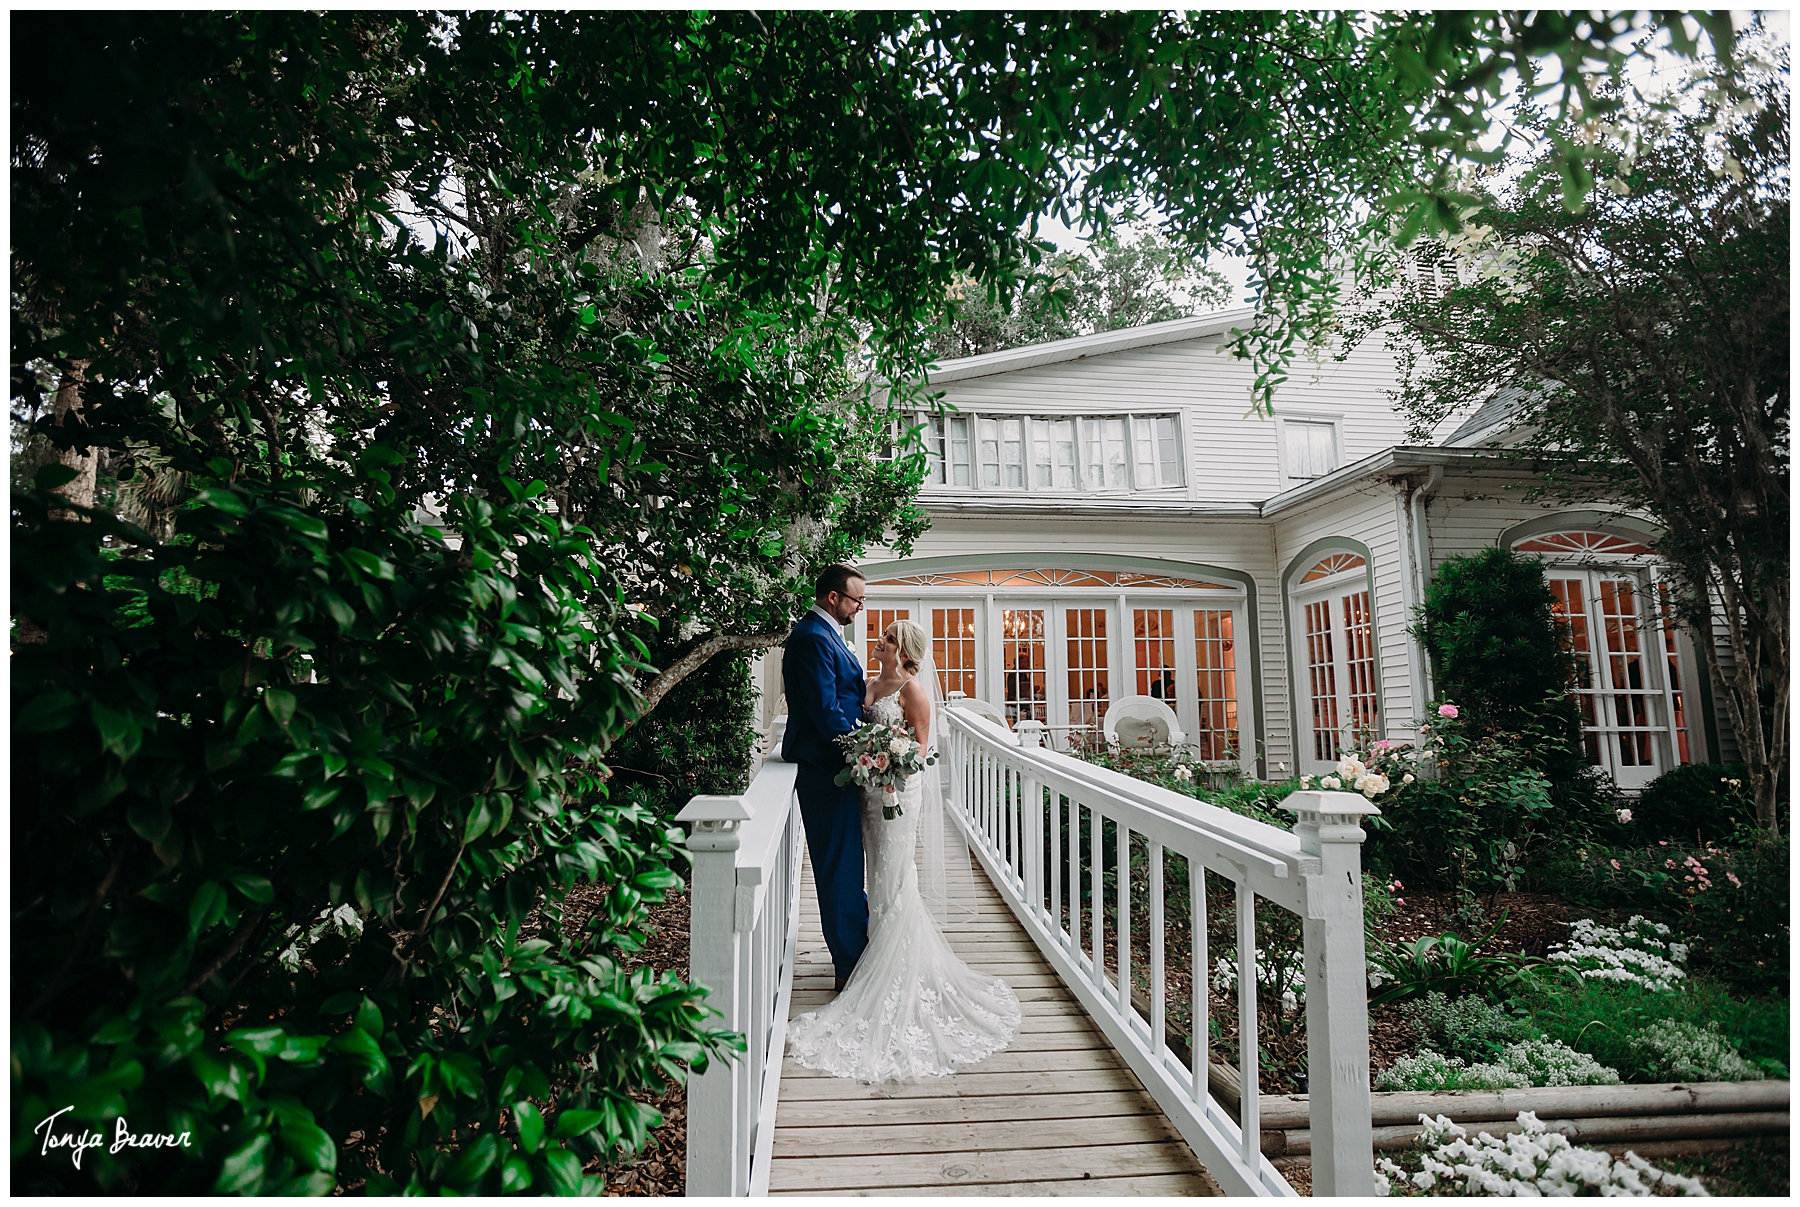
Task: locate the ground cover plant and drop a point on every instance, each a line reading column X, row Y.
column 1532, row 1162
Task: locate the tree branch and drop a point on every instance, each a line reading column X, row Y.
column 692, row 661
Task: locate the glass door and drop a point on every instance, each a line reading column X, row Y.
column 1630, row 681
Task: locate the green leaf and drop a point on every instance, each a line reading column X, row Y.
column 50, row 711
column 368, row 1017
column 515, row 1176
column 53, row 475
column 570, row 1124
column 207, row 907
column 242, row 1172
column 280, row 704
column 254, row 887
column 119, row 732
column 461, row 1073
column 341, row 612
column 564, row 1168
column 475, row 1161
column 530, row 1122
column 308, row 1144
column 317, row 796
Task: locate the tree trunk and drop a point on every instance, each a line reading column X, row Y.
column 692, row 661
column 83, row 460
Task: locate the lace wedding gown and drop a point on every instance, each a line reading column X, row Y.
column 911, row 1008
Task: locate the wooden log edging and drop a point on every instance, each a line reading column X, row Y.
column 1614, row 1116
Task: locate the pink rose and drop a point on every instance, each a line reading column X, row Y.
column 1447, row 710
column 1615, row 863
column 881, row 761
column 1424, row 729
column 1735, row 882
column 1669, row 863
column 864, row 760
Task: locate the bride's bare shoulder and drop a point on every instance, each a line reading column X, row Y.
column 914, row 695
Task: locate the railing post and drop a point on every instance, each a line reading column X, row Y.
column 718, row 1158
column 1031, row 733
column 1329, row 827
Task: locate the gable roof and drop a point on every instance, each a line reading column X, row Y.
column 1033, row 355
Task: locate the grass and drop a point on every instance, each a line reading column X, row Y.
column 1756, row 1169
column 1599, row 1018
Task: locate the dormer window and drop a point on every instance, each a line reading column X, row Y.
column 1016, row 454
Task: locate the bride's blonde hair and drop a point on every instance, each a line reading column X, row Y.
column 910, row 639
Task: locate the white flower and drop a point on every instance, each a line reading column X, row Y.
column 899, row 746
column 1281, row 767
column 1306, row 781
column 1332, row 782
column 1184, row 772
column 1624, row 816
column 1349, row 767
column 1407, row 778
column 1373, row 784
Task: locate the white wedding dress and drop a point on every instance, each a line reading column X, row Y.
column 911, row 1008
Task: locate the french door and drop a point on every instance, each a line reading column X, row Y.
column 1633, row 714
column 1336, row 654
column 1057, row 662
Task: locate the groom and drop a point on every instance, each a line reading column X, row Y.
column 824, row 685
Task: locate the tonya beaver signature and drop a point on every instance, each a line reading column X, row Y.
column 123, row 1137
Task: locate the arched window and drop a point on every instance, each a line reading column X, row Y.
column 1632, row 659
column 1333, row 630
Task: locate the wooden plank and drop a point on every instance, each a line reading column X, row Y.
column 975, row 1169
column 971, row 1084
column 985, row 1137
column 1009, row 1061
column 998, row 1108
column 1157, row 1186
column 1032, row 1002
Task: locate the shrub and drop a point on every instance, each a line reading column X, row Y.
column 1601, row 1018
column 1531, row 1163
column 1531, row 1062
column 1678, row 1051
column 1488, row 624
column 1696, row 803
column 1447, row 964
column 1637, row 953
column 1471, row 1028
column 299, row 713
column 1729, row 902
column 1461, row 809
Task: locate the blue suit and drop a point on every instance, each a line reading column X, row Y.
column 824, row 686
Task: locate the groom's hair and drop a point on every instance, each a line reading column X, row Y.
column 835, row 578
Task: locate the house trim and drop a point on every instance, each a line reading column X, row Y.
column 1033, row 356
column 1306, row 557
column 1015, row 560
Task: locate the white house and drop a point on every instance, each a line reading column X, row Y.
column 1109, row 519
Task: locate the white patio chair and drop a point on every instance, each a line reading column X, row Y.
column 978, row 706
column 1142, row 720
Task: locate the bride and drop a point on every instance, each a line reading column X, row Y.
column 911, row 1008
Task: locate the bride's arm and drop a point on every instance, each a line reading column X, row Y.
column 915, row 706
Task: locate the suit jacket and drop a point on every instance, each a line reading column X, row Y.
column 824, row 685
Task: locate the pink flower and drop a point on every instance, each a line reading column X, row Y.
column 1668, row 863
column 1399, row 900
column 1447, row 710
column 1735, row 882
column 881, row 761
column 1689, row 879
column 1615, row 863
column 1424, row 729
column 864, row 760
column 1382, row 745
column 1663, row 843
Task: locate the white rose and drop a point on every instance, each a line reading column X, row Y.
column 1349, row 768
column 1373, row 785
column 898, row 746
column 1332, row 782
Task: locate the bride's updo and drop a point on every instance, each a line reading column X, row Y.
column 910, row 639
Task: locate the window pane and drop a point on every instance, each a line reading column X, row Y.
column 933, row 436
column 1571, row 610
column 1311, row 449
column 1215, row 665
column 1359, row 665
column 1117, row 466
column 1012, row 453
column 1087, row 667
column 1093, row 454
column 1321, row 674
column 990, row 452
column 1062, row 441
column 1040, row 454
column 953, row 649
column 1168, row 457
column 959, row 451
column 875, row 623
column 1022, row 665
column 1153, row 640
column 1143, row 454
column 1625, row 665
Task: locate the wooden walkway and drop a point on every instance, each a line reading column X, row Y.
column 1057, row 1113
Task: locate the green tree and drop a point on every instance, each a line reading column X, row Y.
column 1646, row 337
column 1126, row 278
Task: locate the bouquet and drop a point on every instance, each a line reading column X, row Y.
column 879, row 755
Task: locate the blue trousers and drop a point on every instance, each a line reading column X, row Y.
column 833, row 818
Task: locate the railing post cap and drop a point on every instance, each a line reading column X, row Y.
column 1339, row 804
column 714, row 809
column 1030, row 731
column 954, row 697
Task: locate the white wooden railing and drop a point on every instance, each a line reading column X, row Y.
column 744, row 903
column 1014, row 800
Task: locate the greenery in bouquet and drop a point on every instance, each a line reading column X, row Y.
column 882, row 756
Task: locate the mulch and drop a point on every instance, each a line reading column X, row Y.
column 661, row 1168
